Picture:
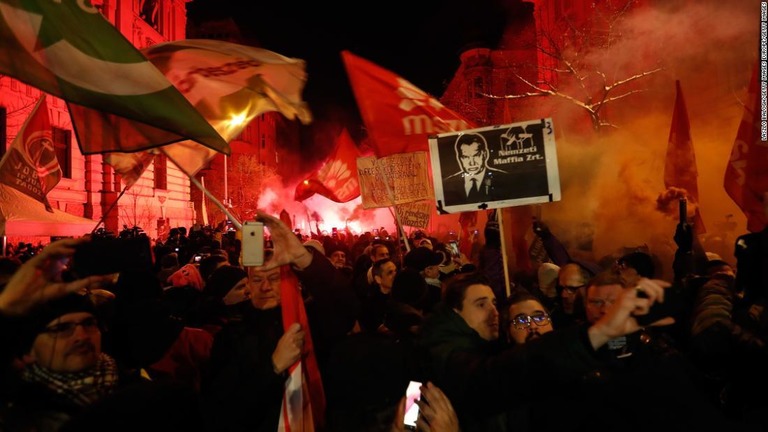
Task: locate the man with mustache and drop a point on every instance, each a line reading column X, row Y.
column 55, row 376
column 528, row 319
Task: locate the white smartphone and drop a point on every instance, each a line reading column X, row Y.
column 412, row 394
column 252, row 245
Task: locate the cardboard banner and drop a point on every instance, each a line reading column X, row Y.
column 415, row 214
column 495, row 167
column 393, row 180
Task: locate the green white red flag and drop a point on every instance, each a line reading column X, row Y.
column 229, row 84
column 69, row 50
column 303, row 407
column 30, row 164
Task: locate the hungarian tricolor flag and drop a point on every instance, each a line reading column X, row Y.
column 399, row 116
column 68, row 49
column 30, row 165
column 680, row 168
column 337, row 178
column 303, row 408
column 229, row 84
column 746, row 175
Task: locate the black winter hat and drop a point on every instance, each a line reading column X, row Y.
column 421, row 258
column 37, row 320
column 222, row 280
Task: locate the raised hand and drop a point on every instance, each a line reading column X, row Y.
column 39, row 279
column 288, row 248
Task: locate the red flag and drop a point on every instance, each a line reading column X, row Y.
column 680, row 168
column 466, row 220
column 304, row 398
column 398, row 116
column 520, row 224
column 746, row 175
column 30, row 165
column 337, row 178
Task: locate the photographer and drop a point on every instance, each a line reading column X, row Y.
column 462, row 338
column 55, row 375
column 244, row 384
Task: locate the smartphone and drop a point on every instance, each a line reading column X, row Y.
column 252, row 244
column 107, row 255
column 412, row 394
column 453, row 246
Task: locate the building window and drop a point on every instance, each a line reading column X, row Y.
column 161, row 172
column 149, row 12
column 479, row 86
column 3, row 130
column 62, row 144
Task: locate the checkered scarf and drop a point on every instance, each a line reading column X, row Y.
column 82, row 388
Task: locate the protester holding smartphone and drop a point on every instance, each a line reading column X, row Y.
column 484, row 380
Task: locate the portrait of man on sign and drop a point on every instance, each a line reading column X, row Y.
column 496, row 166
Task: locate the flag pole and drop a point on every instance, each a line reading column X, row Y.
column 385, row 179
column 210, row 196
column 505, row 260
column 112, row 206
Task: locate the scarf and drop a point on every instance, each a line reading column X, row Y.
column 81, row 388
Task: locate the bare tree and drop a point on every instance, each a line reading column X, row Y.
column 580, row 70
column 248, row 179
column 139, row 211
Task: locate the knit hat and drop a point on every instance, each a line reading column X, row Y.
column 35, row 322
column 409, row 287
column 547, row 277
column 641, row 262
column 188, row 275
column 222, row 280
column 421, row 258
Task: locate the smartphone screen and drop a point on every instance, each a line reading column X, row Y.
column 412, row 394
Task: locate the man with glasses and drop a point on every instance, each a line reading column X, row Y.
column 641, row 366
column 528, row 319
column 55, row 374
column 568, row 308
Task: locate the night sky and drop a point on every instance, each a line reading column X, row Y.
column 419, row 40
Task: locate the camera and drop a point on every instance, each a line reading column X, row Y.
column 453, row 247
column 253, row 244
column 107, row 255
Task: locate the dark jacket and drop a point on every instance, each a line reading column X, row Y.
column 484, row 381
column 241, row 392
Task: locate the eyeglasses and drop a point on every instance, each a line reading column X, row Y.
column 523, row 321
column 571, row 289
column 67, row 329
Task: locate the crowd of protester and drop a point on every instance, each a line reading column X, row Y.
column 190, row 340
